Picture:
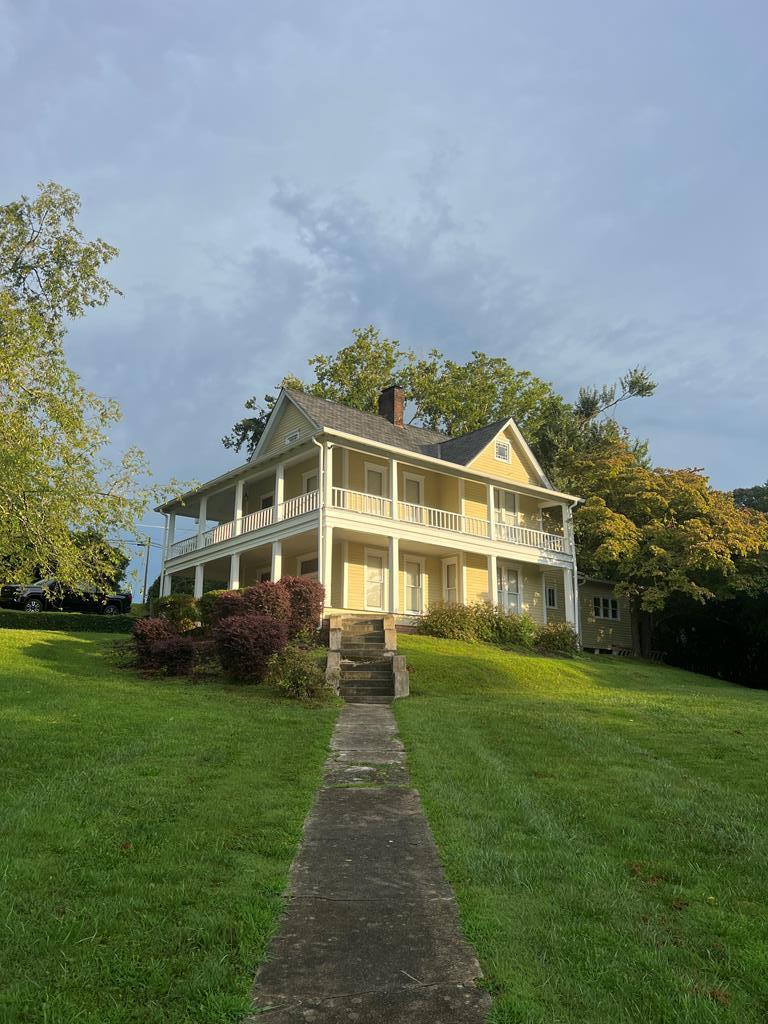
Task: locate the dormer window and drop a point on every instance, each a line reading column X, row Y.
column 502, row 451
column 291, row 438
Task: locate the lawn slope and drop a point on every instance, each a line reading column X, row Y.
column 604, row 825
column 145, row 835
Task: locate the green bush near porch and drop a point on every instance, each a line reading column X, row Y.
column 66, row 622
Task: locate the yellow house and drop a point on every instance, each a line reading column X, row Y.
column 390, row 517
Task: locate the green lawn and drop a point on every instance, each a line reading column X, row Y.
column 604, row 823
column 146, row 832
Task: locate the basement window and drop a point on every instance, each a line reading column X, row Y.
column 291, row 438
column 605, row 607
column 502, row 451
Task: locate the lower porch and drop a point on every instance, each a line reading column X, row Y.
column 365, row 573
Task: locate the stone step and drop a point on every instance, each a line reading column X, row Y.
column 353, row 641
column 362, row 638
column 370, row 700
column 366, row 691
column 375, row 657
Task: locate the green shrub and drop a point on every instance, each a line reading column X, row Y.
column 178, row 609
column 226, row 604
column 267, row 598
column 515, row 630
column 297, row 674
column 557, row 638
column 65, row 622
column 450, row 621
column 206, row 605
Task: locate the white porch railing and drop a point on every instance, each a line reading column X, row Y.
column 254, row 521
column 356, row 501
column 530, row 538
column 451, row 522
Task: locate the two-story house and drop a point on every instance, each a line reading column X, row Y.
column 390, row 517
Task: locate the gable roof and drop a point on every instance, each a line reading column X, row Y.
column 466, row 447
column 368, row 425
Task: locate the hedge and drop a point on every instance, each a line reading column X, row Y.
column 67, row 622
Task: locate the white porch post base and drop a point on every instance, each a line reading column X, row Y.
column 493, row 586
column 277, row 560
column 570, row 605
column 394, row 574
column 234, row 572
column 199, row 578
column 326, row 564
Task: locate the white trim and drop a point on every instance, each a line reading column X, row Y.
column 547, row 587
column 506, row 444
column 345, row 469
column 375, row 467
column 345, row 573
column 269, row 494
column 382, row 554
column 308, row 557
column 601, row 598
column 419, row 478
column 422, row 562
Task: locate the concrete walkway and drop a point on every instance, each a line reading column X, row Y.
column 371, row 933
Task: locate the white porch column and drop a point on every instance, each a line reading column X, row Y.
column 199, row 578
column 570, row 604
column 238, row 507
column 460, row 583
column 234, row 571
column 394, row 574
column 544, row 597
column 326, row 564
column 491, row 514
column 202, row 519
column 393, row 486
column 277, row 560
column 170, row 534
column 165, row 585
column 327, row 491
column 279, row 490
column 493, row 586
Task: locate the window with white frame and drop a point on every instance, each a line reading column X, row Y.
column 505, row 504
column 551, row 597
column 292, row 437
column 413, row 489
column 503, row 451
column 605, row 607
column 308, row 566
column 267, row 500
column 310, row 481
column 374, row 480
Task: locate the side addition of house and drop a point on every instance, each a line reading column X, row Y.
column 390, row 517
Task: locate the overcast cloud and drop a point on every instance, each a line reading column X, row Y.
column 578, row 187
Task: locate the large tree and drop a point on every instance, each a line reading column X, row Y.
column 57, row 484
column 438, row 391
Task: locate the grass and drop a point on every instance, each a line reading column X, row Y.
column 604, row 824
column 146, row 832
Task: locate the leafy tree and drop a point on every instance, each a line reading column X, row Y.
column 437, row 388
column 663, row 533
column 753, row 497
column 56, row 484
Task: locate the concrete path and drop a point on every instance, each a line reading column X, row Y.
column 371, row 933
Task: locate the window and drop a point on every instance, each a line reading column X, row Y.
column 502, row 451
column 450, row 581
column 551, row 597
column 267, row 500
column 374, row 480
column 308, row 567
column 605, row 607
column 412, row 486
column 291, row 438
column 505, row 504
column 310, row 481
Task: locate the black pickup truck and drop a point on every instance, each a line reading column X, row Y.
column 52, row 596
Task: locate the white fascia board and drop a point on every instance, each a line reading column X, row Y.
column 451, row 468
column 526, row 448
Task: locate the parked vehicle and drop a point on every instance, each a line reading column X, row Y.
column 52, row 596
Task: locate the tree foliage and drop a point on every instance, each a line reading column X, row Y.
column 753, row 497
column 56, row 482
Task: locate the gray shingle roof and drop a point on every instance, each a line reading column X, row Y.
column 459, row 450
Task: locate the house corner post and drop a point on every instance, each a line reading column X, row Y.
column 277, row 561
column 202, row 519
column 238, row 507
column 394, row 574
column 234, row 571
column 493, row 586
column 199, row 580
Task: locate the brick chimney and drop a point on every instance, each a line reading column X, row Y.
column 392, row 404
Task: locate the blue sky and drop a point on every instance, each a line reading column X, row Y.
column 577, row 187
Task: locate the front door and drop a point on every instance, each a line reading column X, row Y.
column 374, row 580
column 508, row 583
column 414, row 591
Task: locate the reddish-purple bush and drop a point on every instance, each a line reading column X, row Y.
column 227, row 604
column 307, row 598
column 175, row 654
column 267, row 598
column 147, row 633
column 245, row 643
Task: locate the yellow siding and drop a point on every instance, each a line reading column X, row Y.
column 337, row 576
column 528, row 512
column 356, row 470
column 292, row 481
column 476, row 578
column 555, row 579
column 604, row 633
column 290, row 419
column 449, row 493
column 518, row 468
column 355, row 576
column 533, row 592
column 475, row 499
column 255, row 491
